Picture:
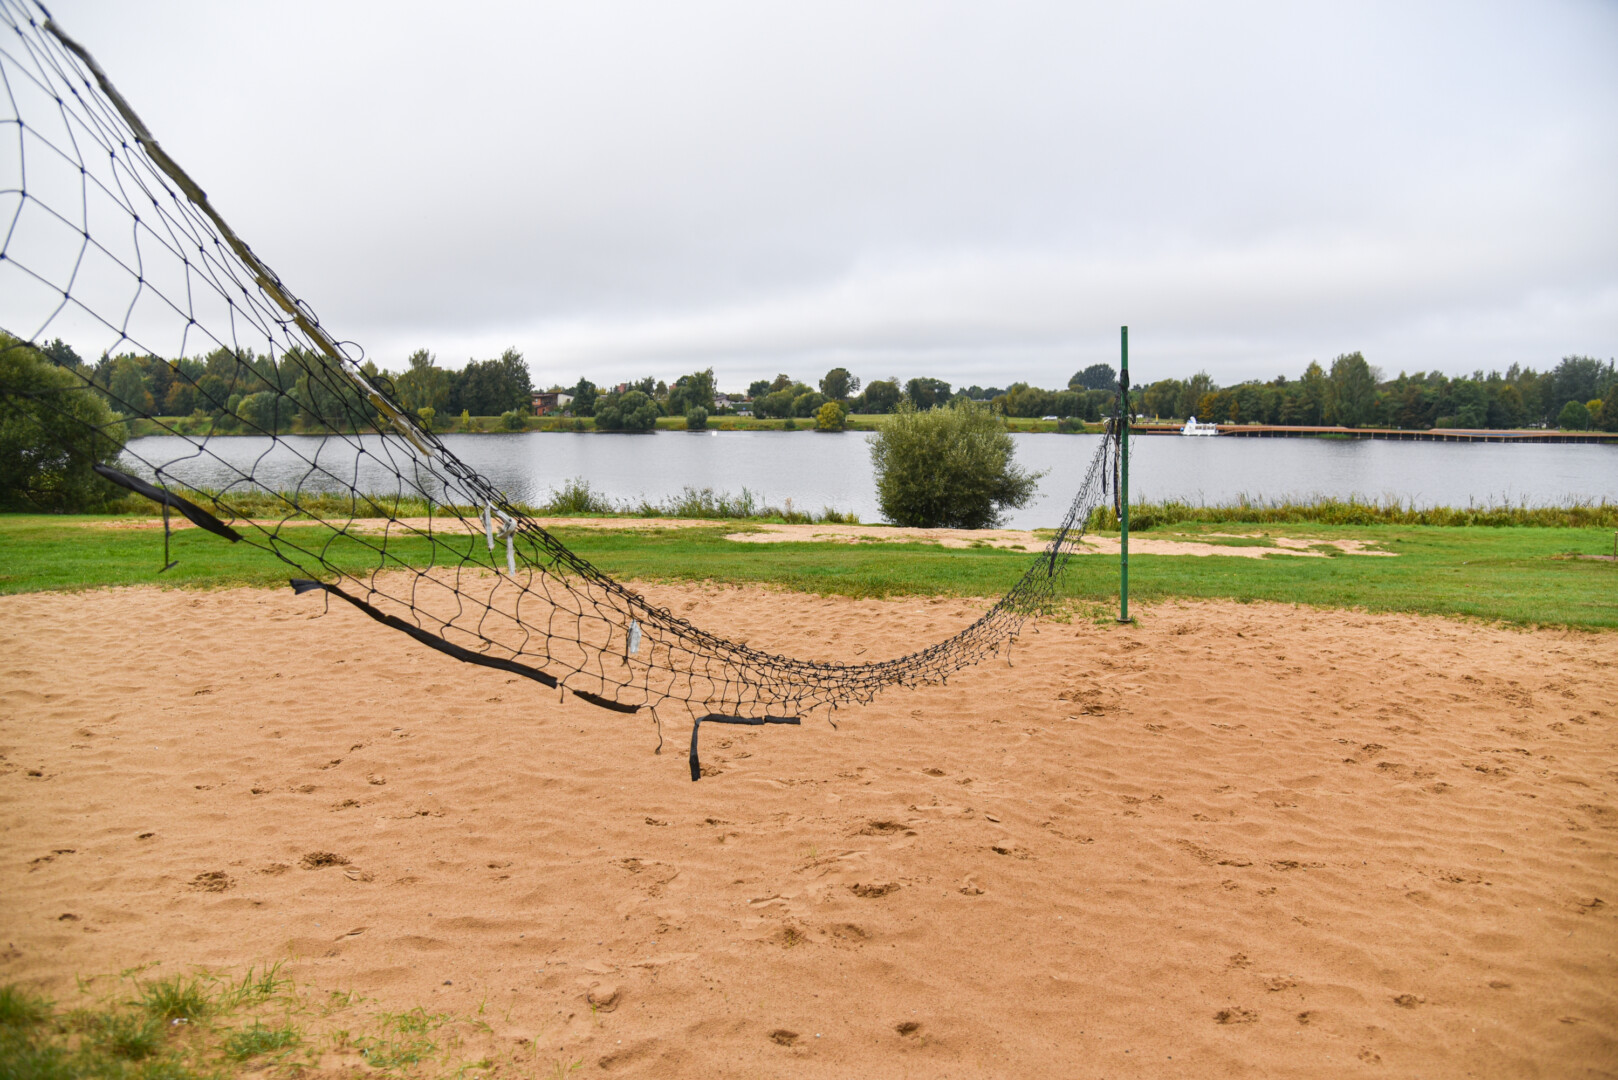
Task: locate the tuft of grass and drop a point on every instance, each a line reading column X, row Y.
column 404, row 1040
column 175, row 998
column 20, row 1010
column 121, row 1035
column 577, row 497
column 207, row 1025
column 258, row 1039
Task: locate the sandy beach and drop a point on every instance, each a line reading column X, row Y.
column 1232, row 840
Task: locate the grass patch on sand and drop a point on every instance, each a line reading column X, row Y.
column 1515, row 575
column 135, row 1026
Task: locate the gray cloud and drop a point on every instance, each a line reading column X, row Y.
column 983, row 192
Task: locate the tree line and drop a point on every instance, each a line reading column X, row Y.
column 234, row 390
column 238, row 390
column 1579, row 393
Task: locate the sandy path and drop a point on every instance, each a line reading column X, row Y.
column 1251, row 839
column 773, row 533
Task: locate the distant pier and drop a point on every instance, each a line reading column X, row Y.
column 1288, row 431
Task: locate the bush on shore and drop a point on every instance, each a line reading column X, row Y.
column 950, row 466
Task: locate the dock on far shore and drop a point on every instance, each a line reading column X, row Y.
column 1290, row 431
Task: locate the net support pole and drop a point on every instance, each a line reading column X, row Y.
column 1123, row 474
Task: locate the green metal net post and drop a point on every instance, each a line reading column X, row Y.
column 1123, row 475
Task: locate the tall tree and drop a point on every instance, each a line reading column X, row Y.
column 925, row 393
column 692, row 391
column 1094, row 377
column 1197, row 387
column 879, row 397
column 492, row 387
column 424, row 385
column 1352, row 390
column 839, row 385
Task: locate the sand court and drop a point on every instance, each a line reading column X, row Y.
column 1236, row 839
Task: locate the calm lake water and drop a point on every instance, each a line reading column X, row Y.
column 816, row 470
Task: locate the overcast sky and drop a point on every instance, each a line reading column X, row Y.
column 979, row 192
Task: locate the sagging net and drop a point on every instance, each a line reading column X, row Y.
column 108, row 242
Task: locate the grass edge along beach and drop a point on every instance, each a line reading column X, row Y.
column 1538, row 574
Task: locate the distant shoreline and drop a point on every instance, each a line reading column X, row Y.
column 143, row 428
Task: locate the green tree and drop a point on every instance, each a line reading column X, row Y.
column 776, row 403
column 1094, row 377
column 879, row 397
column 1607, row 419
column 61, row 353
column 426, row 414
column 948, row 466
column 53, row 429
column 1313, row 401
column 925, row 393
column 1196, row 388
column 807, row 403
column 1576, row 378
column 180, row 399
column 692, row 391
column 831, row 417
column 511, row 420
column 632, row 411
column 1162, row 398
column 696, row 418
column 492, row 387
column 128, row 388
column 265, row 411
column 584, row 398
column 839, row 385
column 1024, row 400
column 1351, row 391
column 424, row 385
column 1573, row 417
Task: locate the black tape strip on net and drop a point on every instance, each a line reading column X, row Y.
column 107, row 240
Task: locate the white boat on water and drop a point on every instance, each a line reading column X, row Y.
column 1194, row 428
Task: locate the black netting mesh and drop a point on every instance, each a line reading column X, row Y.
column 107, row 241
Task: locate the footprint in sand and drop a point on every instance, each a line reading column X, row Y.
column 1235, row 1015
column 885, row 828
column 871, row 892
column 317, row 860
column 212, row 881
column 783, row 1036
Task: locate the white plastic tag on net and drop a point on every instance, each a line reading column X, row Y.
column 507, row 531
column 634, row 637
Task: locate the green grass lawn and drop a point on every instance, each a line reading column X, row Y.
column 1512, row 574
